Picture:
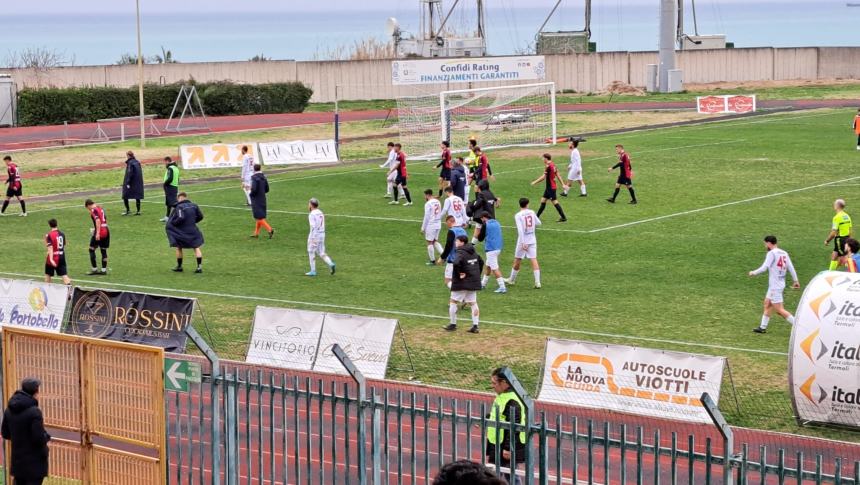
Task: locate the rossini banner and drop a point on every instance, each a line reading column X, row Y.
column 824, row 360
column 37, row 306
column 137, row 318
column 630, row 379
column 468, row 70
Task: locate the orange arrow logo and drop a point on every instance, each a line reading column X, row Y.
column 806, row 388
column 195, row 155
column 806, row 344
column 222, row 152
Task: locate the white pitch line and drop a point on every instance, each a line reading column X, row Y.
column 718, row 206
column 101, row 284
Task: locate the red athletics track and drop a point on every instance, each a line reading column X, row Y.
column 428, row 436
column 54, row 135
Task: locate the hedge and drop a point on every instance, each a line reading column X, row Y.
column 79, row 105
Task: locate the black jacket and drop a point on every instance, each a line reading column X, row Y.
column 485, row 201
column 181, row 227
column 469, row 262
column 24, row 426
column 132, row 183
column 259, row 189
column 171, row 192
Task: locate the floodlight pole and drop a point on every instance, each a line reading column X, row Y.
column 140, row 78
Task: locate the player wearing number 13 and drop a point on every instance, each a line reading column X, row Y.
column 527, row 222
column 777, row 263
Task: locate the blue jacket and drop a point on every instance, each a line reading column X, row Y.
column 491, row 235
column 450, row 251
column 458, row 181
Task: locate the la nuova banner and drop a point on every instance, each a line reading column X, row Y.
column 299, row 152
column 630, row 380
column 303, row 340
column 32, row 305
column 218, row 155
column 726, row 104
column 468, row 70
column 824, row 360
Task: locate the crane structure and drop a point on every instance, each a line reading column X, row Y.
column 433, row 40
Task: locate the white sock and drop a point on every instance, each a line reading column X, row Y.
column 537, row 277
column 475, row 314
column 501, row 282
column 388, row 188
column 764, row 321
column 484, row 280
column 582, row 189
column 790, row 319
column 313, row 260
column 566, row 189
column 448, row 284
column 513, row 277
column 327, row 260
column 474, row 241
column 453, row 308
column 431, row 253
column 439, row 248
column 248, row 196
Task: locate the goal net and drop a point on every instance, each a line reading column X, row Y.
column 503, row 116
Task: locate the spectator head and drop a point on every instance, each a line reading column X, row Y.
column 499, row 381
column 465, row 472
column 852, row 245
column 168, row 160
column 31, row 385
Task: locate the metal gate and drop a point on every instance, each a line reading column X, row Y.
column 103, row 403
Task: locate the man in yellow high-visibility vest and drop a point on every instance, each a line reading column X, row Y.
column 506, row 408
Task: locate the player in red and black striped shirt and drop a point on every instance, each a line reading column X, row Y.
column 15, row 188
column 55, row 262
column 100, row 238
column 445, row 163
column 626, row 175
column 552, row 178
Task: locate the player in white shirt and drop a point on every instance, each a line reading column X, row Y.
column 316, row 238
column 777, row 263
column 527, row 223
column 247, row 173
column 390, row 163
column 431, row 225
column 455, row 206
column 574, row 170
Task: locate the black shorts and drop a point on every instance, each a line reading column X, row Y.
column 59, row 270
column 103, row 243
column 10, row 192
column 550, row 194
column 445, row 174
column 839, row 245
column 622, row 180
column 400, row 180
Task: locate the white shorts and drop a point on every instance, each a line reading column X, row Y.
column 449, row 271
column 531, row 253
column 432, row 233
column 316, row 246
column 574, row 175
column 464, row 296
column 775, row 295
column 493, row 259
column 391, row 177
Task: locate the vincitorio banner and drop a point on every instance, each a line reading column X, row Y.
column 824, row 360
column 631, row 380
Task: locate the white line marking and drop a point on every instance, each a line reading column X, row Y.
column 718, row 206
column 410, row 314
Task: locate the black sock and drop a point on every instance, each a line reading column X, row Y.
column 167, row 213
column 614, row 195
column 23, row 206
column 104, row 259
column 560, row 211
column 396, row 193
column 406, row 193
column 178, row 262
column 5, row 205
column 540, row 211
column 93, row 258
column 440, row 192
column 199, row 262
column 632, row 194
column 125, row 202
column 137, row 204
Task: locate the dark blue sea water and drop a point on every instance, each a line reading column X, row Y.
column 214, row 36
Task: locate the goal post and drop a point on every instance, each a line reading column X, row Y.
column 498, row 117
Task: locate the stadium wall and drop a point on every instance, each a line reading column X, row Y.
column 371, row 79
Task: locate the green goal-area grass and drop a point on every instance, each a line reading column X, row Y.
column 672, row 269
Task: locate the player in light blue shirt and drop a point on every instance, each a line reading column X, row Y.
column 491, row 236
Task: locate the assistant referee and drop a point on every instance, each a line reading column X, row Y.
column 839, row 232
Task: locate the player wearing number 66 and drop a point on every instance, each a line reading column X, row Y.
column 776, row 264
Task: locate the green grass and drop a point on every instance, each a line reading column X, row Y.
column 679, row 279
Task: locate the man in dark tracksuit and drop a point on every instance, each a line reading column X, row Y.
column 182, row 231
column 259, row 189
column 24, row 426
column 465, row 282
column 507, row 408
column 459, row 182
column 171, row 186
column 485, row 201
column 132, row 184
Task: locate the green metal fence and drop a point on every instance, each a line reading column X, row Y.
column 253, row 426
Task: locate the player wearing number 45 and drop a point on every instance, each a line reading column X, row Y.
column 316, row 238
column 776, row 264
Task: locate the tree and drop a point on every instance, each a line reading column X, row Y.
column 166, row 57
column 260, row 58
column 39, row 58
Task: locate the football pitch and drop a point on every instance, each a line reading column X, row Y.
column 669, row 273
